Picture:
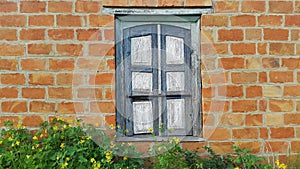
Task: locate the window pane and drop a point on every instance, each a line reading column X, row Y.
column 141, row 51
column 174, row 50
column 142, row 117
column 176, row 116
column 142, row 82
column 175, row 81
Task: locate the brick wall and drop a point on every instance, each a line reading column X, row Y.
column 57, row 59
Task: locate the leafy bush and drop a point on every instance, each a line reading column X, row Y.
column 60, row 144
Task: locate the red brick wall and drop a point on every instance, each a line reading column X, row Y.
column 57, row 59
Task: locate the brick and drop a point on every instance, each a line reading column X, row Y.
column 281, row 76
column 39, row 49
column 291, row 119
column 264, row 133
column 111, row 64
column 8, row 92
column 109, row 94
column 216, row 133
column 298, row 76
column 61, row 34
column 69, row 79
column 214, row 20
column 194, row 146
column 291, row 63
column 13, row 119
column 297, row 130
column 33, row 64
column 207, row 35
column 208, row 92
column 41, row 20
column 230, row 35
column 243, row 77
column 87, row 6
column 291, row 90
column 292, row 20
column 253, row 34
column 89, row 93
column 222, row 147
column 208, row 120
column 60, row 93
column 142, row 3
column 59, row 6
column 208, row 63
column 262, row 48
column 262, row 77
column 114, row 3
column 215, row 78
column 272, row 91
column 33, row 6
column 269, row 20
column 61, row 64
column 6, row 6
column 244, row 105
column 253, row 92
column 295, row 35
column 13, row 78
column 226, row 6
column 282, row 132
column 263, row 105
column 297, row 6
column 33, row 93
column 8, row 64
column 280, row 6
column 281, row 49
column 243, row 48
column 12, row 20
column 213, row 49
column 295, row 146
column 8, row 34
column 274, row 119
column 231, row 119
column 42, row 107
column 245, row 133
column 102, row 79
column 102, row 107
column 32, row 121
column 276, row 146
column 68, row 20
column 270, row 62
column 253, row 63
column 281, row 105
column 243, row 20
column 169, row 3
column 276, row 34
column 231, row 91
column 89, row 34
column 101, row 50
column 215, row 106
column 254, row 120
column 297, row 48
column 93, row 120
column 196, row 3
column 70, row 108
column 11, row 50
column 253, row 6
column 101, row 20
column 231, row 63
column 109, row 34
column 110, row 120
column 14, row 106
column 70, row 49
column 41, row 79
column 32, row 34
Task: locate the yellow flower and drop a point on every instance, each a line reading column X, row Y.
column 64, row 165
column 13, row 144
column 1, row 142
column 81, row 141
column 282, row 166
column 27, row 156
column 112, row 126
column 17, row 143
column 125, row 158
column 118, row 126
column 108, row 156
column 88, row 137
column 62, row 145
column 129, row 144
column 237, row 168
column 92, row 160
column 10, row 139
column 32, row 147
column 150, row 129
column 18, row 125
column 65, row 126
column 277, row 162
column 238, row 143
column 68, row 158
column 55, row 128
column 41, row 135
column 34, row 138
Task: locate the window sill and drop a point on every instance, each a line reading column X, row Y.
column 158, row 139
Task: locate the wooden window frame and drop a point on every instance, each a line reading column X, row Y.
column 191, row 22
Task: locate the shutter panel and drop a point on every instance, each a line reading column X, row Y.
column 176, row 65
column 140, row 56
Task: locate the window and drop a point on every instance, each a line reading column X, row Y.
column 158, row 76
